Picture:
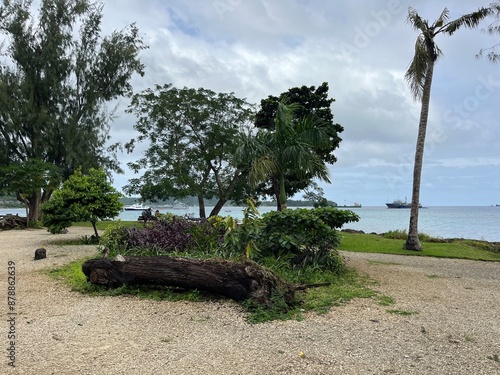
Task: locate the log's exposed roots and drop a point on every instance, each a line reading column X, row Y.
column 13, row 221
column 236, row 280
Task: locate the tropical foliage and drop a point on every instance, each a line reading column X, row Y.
column 492, row 53
column 288, row 148
column 170, row 235
column 304, row 237
column 306, row 101
column 298, row 237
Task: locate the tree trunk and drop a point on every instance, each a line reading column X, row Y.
column 282, row 198
column 218, row 206
column 201, row 206
column 276, row 188
column 33, row 204
column 224, row 193
column 96, row 233
column 413, row 242
column 237, row 280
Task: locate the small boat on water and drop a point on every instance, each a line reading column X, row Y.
column 400, row 204
column 135, row 207
column 354, row 205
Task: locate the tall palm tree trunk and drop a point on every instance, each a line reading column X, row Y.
column 412, row 242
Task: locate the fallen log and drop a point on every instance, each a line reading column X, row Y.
column 10, row 221
column 237, row 280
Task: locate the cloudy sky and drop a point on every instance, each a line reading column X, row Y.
column 257, row 48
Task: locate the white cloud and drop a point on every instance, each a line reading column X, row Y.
column 260, row 48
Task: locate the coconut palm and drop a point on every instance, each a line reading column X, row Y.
column 493, row 53
column 419, row 78
column 290, row 147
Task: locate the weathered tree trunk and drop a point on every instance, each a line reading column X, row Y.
column 237, row 280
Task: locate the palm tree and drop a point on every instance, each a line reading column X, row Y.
column 494, row 28
column 289, row 147
column 419, row 78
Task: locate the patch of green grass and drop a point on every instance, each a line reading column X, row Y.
column 72, row 275
column 402, row 312
column 463, row 249
column 343, row 288
column 384, row 300
column 279, row 310
column 433, row 276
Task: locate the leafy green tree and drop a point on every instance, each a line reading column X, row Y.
column 83, row 197
column 56, row 76
column 28, row 179
column 419, row 77
column 193, row 135
column 308, row 101
column 288, row 148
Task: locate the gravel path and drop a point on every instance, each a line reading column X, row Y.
column 455, row 327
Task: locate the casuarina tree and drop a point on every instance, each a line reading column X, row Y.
column 57, row 75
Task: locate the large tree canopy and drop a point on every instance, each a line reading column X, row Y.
column 56, row 76
column 307, row 102
column 193, row 135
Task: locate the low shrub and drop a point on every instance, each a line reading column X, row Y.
column 115, row 238
column 240, row 239
column 174, row 234
column 305, row 237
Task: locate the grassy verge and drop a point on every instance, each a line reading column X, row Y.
column 456, row 248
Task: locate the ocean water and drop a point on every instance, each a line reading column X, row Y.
column 480, row 223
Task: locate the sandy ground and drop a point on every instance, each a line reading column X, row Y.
column 455, row 327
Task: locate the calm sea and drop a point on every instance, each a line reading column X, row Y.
column 481, row 223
